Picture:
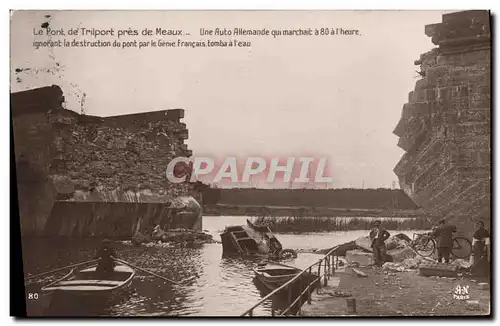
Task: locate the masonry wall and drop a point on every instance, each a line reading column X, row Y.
column 114, row 219
column 62, row 156
column 445, row 127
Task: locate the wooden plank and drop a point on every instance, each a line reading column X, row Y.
column 79, row 288
column 359, row 273
column 235, row 241
column 90, row 282
column 438, row 266
column 437, row 269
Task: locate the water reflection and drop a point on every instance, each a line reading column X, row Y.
column 278, row 303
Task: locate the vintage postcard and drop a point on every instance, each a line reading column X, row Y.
column 252, row 163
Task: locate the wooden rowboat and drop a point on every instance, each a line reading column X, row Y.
column 274, row 275
column 86, row 282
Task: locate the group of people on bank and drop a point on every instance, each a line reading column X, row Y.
column 443, row 233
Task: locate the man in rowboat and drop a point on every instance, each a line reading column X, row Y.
column 106, row 253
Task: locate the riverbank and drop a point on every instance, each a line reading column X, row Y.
column 400, row 294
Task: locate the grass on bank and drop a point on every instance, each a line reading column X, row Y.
column 325, row 224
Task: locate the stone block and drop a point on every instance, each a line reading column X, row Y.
column 468, row 16
column 398, row 241
column 473, row 57
column 402, row 254
column 420, row 95
column 38, row 100
column 459, row 91
column 421, row 84
column 430, row 29
column 394, row 267
column 462, row 263
column 450, row 59
column 410, row 97
column 364, row 242
column 433, row 74
column 413, row 263
column 431, row 96
column 483, row 286
column 473, row 305
column 184, row 134
column 437, row 269
column 175, row 114
column 359, row 257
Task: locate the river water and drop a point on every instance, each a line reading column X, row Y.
column 223, row 286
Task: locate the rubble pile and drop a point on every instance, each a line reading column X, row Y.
column 399, row 241
column 360, row 258
column 462, row 264
column 394, row 267
column 401, row 257
column 174, row 236
column 360, row 251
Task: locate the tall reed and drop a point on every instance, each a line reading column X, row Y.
column 324, row 224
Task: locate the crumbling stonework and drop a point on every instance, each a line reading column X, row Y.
column 62, row 156
column 445, row 126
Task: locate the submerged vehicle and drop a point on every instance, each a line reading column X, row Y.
column 87, row 282
column 253, row 240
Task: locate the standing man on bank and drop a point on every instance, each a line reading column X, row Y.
column 378, row 235
column 480, row 244
column 444, row 234
column 480, row 241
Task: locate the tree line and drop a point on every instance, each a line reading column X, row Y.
column 346, row 198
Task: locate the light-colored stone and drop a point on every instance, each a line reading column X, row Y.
column 473, row 305
column 158, row 233
column 359, row 273
column 400, row 255
column 365, row 243
column 411, row 262
column 357, row 256
column 483, row 286
column 395, row 242
column 462, row 263
column 394, row 267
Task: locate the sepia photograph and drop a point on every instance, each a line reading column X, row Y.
column 251, row 163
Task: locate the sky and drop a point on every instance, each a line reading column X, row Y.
column 334, row 97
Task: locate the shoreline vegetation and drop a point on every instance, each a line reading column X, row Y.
column 328, row 224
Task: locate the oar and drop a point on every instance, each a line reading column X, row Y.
column 159, row 276
column 60, row 269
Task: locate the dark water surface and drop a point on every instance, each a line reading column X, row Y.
column 223, row 286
